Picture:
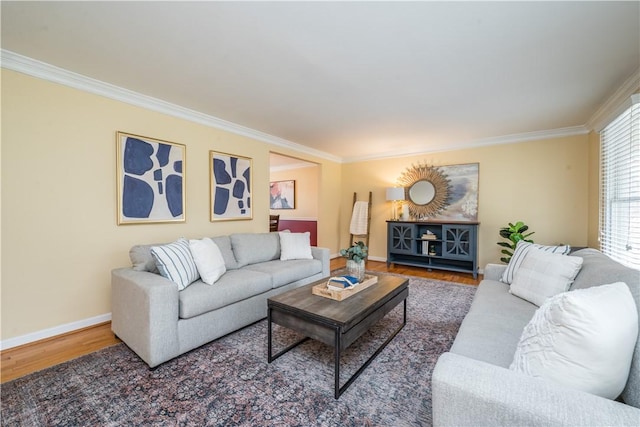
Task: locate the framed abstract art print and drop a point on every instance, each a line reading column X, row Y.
column 151, row 182
column 282, row 194
column 230, row 186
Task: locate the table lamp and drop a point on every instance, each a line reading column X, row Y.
column 394, row 195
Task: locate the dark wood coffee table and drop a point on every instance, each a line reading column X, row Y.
column 337, row 323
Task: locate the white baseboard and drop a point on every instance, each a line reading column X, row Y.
column 52, row 332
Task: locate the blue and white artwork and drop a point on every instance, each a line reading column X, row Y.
column 230, row 186
column 150, row 180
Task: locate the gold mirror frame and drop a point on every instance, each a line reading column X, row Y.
column 424, row 172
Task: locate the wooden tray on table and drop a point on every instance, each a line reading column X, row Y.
column 323, row 291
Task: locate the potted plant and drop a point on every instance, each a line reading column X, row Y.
column 355, row 256
column 514, row 233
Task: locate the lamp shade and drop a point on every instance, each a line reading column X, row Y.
column 395, row 193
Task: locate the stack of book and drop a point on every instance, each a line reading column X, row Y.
column 340, row 283
column 429, row 236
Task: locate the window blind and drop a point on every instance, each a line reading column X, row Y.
column 620, row 187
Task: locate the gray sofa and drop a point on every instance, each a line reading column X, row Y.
column 473, row 386
column 158, row 322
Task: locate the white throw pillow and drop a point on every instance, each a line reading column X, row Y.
column 295, row 246
column 174, row 261
column 208, row 259
column 543, row 274
column 521, row 251
column 583, row 339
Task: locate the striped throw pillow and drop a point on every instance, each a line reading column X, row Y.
column 175, row 262
column 522, row 249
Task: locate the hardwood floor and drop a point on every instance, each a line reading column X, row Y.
column 19, row 361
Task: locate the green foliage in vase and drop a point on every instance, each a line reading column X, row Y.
column 357, row 252
column 514, row 233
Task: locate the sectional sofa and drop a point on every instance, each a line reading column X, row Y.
column 160, row 322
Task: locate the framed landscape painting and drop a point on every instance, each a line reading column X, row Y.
column 230, row 186
column 282, row 194
column 150, row 180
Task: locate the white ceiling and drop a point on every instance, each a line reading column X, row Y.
column 351, row 79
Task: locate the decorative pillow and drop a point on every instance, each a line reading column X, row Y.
column 252, row 248
column 295, row 246
column 174, row 261
column 522, row 249
column 543, row 274
column 583, row 339
column 208, row 258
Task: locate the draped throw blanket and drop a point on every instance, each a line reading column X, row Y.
column 359, row 218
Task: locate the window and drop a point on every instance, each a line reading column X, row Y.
column 620, row 186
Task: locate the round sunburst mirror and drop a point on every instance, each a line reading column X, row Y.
column 426, row 190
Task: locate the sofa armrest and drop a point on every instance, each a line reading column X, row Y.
column 322, row 254
column 144, row 314
column 494, row 271
column 467, row 392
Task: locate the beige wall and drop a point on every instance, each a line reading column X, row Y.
column 59, row 231
column 59, row 234
column 306, row 193
column 543, row 183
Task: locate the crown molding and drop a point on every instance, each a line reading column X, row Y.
column 16, row 62
column 615, row 104
column 23, row 64
column 292, row 166
column 506, row 139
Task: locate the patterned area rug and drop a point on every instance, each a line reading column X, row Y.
column 229, row 382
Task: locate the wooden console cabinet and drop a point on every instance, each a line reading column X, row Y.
column 453, row 246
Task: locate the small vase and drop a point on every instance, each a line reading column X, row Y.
column 356, row 269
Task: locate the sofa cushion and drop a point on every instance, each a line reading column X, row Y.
column 251, row 248
column 491, row 329
column 544, row 274
column 141, row 258
column 224, row 244
column 285, row 272
column 233, row 286
column 522, row 249
column 208, row 259
column 295, row 246
column 599, row 269
column 175, row 262
column 582, row 339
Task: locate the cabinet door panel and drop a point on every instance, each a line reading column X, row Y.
column 458, row 242
column 401, row 238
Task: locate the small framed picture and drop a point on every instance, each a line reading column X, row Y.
column 230, row 186
column 151, row 180
column 282, row 194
